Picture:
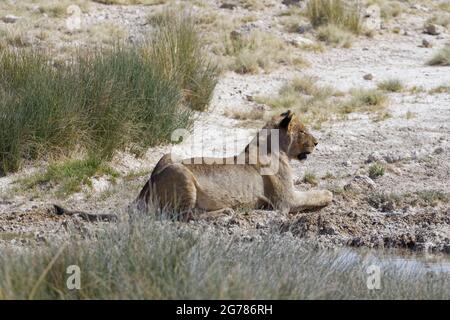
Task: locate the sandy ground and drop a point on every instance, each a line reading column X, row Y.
column 414, row 150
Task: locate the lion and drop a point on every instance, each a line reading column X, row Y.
column 215, row 184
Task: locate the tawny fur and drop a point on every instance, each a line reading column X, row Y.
column 188, row 186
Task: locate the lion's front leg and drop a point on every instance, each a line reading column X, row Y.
column 310, row 200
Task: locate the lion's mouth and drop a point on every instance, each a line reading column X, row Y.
column 303, row 155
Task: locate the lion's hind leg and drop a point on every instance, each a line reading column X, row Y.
column 174, row 190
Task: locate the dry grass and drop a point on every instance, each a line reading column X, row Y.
column 130, row 2
column 422, row 198
column 442, row 19
column 245, row 115
column 337, row 12
column 444, row 6
column 335, row 36
column 365, row 101
column 318, row 104
column 440, row 89
column 261, row 51
column 310, row 178
column 256, row 4
column 149, row 259
column 391, row 85
column 389, row 9
column 314, row 103
column 441, row 57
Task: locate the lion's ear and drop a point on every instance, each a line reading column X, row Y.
column 286, row 119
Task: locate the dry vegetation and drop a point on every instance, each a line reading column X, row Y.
column 214, row 266
column 318, row 104
column 441, row 57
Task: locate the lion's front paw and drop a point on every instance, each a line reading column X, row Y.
column 326, row 197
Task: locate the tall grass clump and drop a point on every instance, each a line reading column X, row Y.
column 101, row 100
column 336, row 12
column 176, row 49
column 151, row 259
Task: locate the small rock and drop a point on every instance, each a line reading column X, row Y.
column 426, row 43
column 438, row 150
column 374, row 157
column 39, row 237
column 229, row 6
column 292, row 2
column 235, row 35
column 420, row 7
column 304, row 28
column 368, row 76
column 100, row 184
column 433, row 29
column 372, row 18
column 392, row 158
column 360, row 183
column 396, row 30
column 347, row 163
column 9, row 18
column 301, row 41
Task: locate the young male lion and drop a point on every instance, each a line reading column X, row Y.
column 258, row 177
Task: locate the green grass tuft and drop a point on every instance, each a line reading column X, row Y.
column 376, row 170
column 70, row 176
column 176, row 50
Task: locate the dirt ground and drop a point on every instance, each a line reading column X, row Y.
column 407, row 207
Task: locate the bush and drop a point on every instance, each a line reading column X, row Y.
column 103, row 100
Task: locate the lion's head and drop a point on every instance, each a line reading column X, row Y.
column 295, row 139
